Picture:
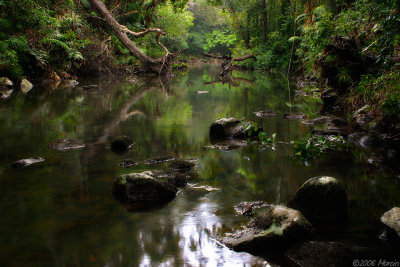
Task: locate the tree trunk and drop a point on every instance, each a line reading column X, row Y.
column 155, row 65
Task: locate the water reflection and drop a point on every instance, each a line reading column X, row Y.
column 62, row 212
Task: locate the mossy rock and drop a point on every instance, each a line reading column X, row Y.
column 233, row 128
column 278, row 227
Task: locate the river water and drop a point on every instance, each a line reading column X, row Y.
column 61, row 212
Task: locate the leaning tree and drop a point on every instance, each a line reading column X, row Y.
column 157, row 65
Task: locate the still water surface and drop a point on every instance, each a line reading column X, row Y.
column 62, row 213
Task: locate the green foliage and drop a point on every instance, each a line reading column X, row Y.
column 315, row 37
column 382, row 92
column 314, row 146
column 219, row 42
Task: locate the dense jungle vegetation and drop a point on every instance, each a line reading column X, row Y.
column 351, row 46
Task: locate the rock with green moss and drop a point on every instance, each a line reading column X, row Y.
column 323, row 200
column 233, row 128
column 143, row 189
column 277, row 227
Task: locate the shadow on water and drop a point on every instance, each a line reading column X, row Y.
column 62, row 211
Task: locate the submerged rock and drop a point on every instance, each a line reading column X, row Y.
column 265, row 114
column 26, row 86
column 233, row 128
column 121, row 144
column 293, row 116
column 26, row 162
column 323, row 200
column 391, row 219
column 181, row 165
column 279, row 227
column 127, row 163
column 143, row 190
column 317, row 253
column 66, row 144
column 227, row 145
column 247, row 208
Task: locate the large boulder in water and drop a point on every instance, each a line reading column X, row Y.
column 391, row 219
column 323, row 200
column 233, row 128
column 143, row 191
column 278, row 227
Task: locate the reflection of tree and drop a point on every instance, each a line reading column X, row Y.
column 125, row 113
column 232, row 81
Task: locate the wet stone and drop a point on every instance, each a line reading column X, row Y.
column 66, row 144
column 233, row 128
column 277, row 228
column 323, row 200
column 26, row 162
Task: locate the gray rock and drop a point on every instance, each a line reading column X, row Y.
column 233, row 128
column 323, row 200
column 26, row 162
column 121, row 144
column 293, row 116
column 175, row 178
column 278, row 227
column 66, row 144
column 140, row 191
column 265, row 114
column 26, row 86
column 391, row 219
column 322, row 253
